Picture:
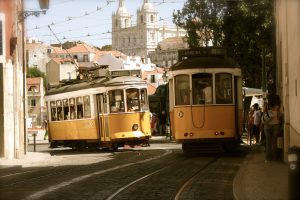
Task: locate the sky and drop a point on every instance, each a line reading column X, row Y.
column 87, row 20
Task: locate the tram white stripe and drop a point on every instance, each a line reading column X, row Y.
column 16, row 174
column 41, row 193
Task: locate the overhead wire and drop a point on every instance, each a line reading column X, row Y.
column 87, row 14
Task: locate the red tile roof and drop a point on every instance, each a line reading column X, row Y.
column 61, row 60
column 33, row 81
column 59, row 50
column 82, row 48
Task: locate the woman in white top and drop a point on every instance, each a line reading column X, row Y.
column 272, row 125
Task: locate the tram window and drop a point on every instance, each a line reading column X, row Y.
column 202, row 88
column 86, row 106
column 59, row 110
column 182, row 90
column 72, row 108
column 132, row 96
column 144, row 103
column 116, row 99
column 79, row 107
column 53, row 111
column 66, row 109
column 223, row 88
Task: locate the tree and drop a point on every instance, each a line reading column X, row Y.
column 105, row 48
column 203, row 21
column 243, row 27
column 35, row 72
column 248, row 38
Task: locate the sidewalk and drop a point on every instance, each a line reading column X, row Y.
column 44, row 158
column 257, row 180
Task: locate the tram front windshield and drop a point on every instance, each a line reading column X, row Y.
column 128, row 100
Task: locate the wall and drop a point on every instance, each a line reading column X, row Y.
column 288, row 67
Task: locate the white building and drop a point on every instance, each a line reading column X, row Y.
column 142, row 38
column 37, row 54
column 60, row 69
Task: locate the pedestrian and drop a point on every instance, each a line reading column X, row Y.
column 272, row 119
column 250, row 125
column 256, row 123
column 163, row 120
column 46, row 129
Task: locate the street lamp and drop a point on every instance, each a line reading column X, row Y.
column 44, row 5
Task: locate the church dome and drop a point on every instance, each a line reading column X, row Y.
column 148, row 6
column 122, row 11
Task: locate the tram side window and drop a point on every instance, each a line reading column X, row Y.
column 202, row 88
column 144, row 102
column 79, row 107
column 133, row 103
column 53, row 111
column 72, row 108
column 86, row 106
column 116, row 99
column 182, row 90
column 66, row 109
column 59, row 110
column 224, row 88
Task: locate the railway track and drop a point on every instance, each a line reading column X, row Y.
column 167, row 174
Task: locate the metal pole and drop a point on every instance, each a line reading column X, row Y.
column 34, row 144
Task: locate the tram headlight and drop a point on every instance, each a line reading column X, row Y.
column 135, row 127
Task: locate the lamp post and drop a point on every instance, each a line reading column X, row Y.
column 44, row 5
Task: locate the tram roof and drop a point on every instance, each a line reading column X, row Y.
column 99, row 82
column 205, row 62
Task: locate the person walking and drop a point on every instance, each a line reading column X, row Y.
column 256, row 123
column 46, row 129
column 272, row 125
column 250, row 125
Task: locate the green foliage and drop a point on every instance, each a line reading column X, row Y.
column 35, row 72
column 243, row 27
column 106, row 48
column 203, row 21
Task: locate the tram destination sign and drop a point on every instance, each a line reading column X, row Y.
column 201, row 52
column 125, row 73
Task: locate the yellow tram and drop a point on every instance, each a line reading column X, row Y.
column 205, row 94
column 102, row 112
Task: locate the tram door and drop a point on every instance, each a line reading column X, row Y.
column 102, row 117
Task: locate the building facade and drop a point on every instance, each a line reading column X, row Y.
column 36, row 105
column 37, row 54
column 12, row 80
column 142, row 38
column 288, row 68
column 60, row 69
column 166, row 53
